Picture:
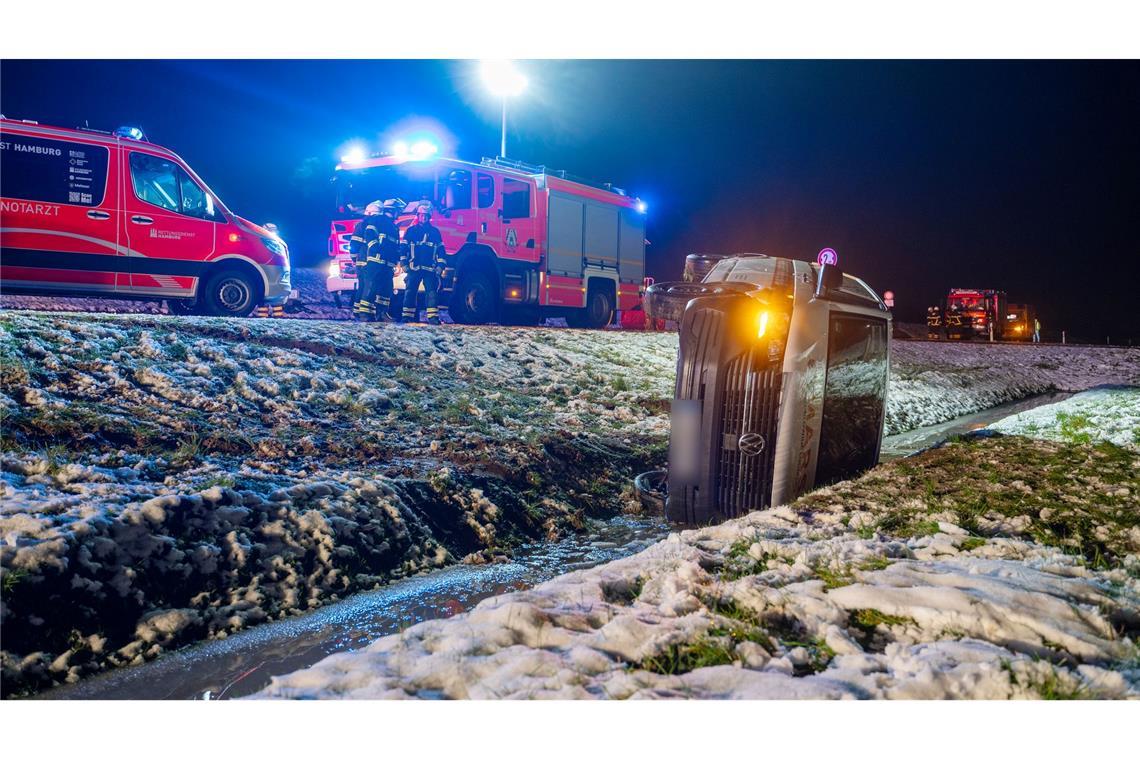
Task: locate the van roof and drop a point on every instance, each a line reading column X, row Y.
column 83, row 133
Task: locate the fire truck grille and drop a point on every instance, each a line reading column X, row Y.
column 747, row 434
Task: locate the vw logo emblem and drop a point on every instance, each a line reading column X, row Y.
column 751, row 444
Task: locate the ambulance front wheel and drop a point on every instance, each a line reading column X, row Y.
column 230, row 293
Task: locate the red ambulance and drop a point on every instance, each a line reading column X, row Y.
column 96, row 214
column 523, row 242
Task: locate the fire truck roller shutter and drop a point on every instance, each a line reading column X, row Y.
column 601, row 249
column 564, row 236
column 631, row 246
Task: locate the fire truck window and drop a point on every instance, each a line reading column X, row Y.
column 486, row 191
column 196, row 201
column 155, row 181
column 853, row 397
column 55, row 171
column 457, row 191
column 516, row 199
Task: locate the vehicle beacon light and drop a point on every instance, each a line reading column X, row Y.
column 641, row 206
column 130, row 133
column 424, row 149
column 355, row 155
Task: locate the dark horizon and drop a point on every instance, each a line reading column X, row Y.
column 924, row 175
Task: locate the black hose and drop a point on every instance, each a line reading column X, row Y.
column 652, row 489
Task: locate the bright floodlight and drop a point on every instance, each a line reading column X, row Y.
column 399, row 148
column 502, row 78
column 354, row 156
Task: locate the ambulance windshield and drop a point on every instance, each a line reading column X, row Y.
column 356, row 188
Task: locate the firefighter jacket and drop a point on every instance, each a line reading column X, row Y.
column 375, row 241
column 425, row 247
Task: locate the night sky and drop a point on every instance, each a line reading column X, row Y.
column 1021, row 176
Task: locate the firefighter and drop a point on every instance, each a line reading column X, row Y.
column 375, row 248
column 424, row 263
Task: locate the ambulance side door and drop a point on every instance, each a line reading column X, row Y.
column 169, row 223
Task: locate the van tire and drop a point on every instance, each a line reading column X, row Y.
column 598, row 312
column 229, row 292
column 475, row 299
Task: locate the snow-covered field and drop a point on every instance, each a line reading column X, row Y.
column 1101, row 414
column 172, row 479
column 936, row 578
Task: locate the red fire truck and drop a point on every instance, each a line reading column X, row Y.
column 973, row 313
column 99, row 214
column 523, row 242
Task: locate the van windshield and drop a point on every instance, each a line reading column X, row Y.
column 356, row 188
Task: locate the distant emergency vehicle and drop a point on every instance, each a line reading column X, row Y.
column 92, row 213
column 522, row 241
column 969, row 313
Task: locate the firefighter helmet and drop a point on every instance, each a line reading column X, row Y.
column 373, row 208
column 393, row 206
column 424, row 209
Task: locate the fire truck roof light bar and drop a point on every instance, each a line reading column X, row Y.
column 510, row 163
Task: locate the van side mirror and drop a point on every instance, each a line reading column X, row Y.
column 830, row 278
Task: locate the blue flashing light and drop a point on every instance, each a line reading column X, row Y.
column 399, row 149
column 642, row 206
column 354, row 156
column 424, row 149
column 130, row 133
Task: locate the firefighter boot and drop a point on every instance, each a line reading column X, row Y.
column 363, row 311
column 380, row 311
column 433, row 315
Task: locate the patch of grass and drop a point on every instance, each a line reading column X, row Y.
column 1073, row 427
column 833, row 577
column 619, row 383
column 12, row 579
column 224, row 481
column 740, row 564
column 869, row 619
column 874, row 563
column 971, row 543
column 188, row 451
column 704, row 652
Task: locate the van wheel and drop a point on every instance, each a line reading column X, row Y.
column 474, row 299
column 229, row 293
column 598, row 312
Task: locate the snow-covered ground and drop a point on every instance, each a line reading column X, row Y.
column 169, row 479
column 1101, row 414
column 899, row 585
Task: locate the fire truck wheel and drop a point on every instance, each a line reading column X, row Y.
column 473, row 302
column 598, row 312
column 229, row 293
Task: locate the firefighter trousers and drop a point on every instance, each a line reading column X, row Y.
column 375, row 289
column 431, row 292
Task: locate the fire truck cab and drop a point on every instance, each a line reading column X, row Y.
column 522, row 242
column 99, row 214
column 974, row 313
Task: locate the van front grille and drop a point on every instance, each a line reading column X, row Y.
column 747, row 442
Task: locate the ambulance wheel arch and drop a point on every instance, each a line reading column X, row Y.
column 475, row 297
column 601, row 300
column 231, row 287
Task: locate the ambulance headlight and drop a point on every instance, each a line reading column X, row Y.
column 275, row 246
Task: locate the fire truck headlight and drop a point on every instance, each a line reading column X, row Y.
column 334, row 269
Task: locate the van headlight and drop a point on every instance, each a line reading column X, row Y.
column 275, row 246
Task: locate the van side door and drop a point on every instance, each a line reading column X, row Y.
column 58, row 221
column 169, row 222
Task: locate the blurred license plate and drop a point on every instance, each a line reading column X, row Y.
column 684, row 441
